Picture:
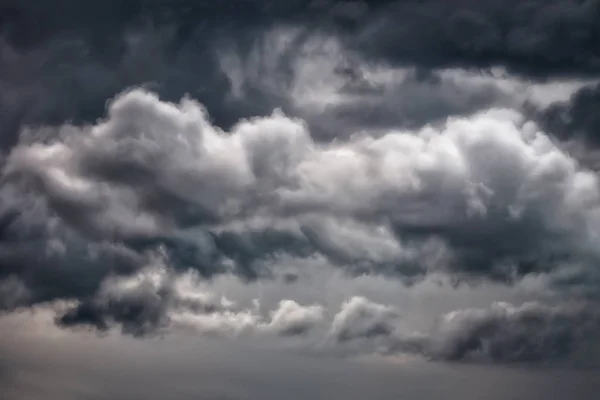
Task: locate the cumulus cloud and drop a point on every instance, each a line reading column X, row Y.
column 503, row 333
column 146, row 150
column 484, row 196
column 533, row 37
column 361, row 318
column 363, row 326
column 156, row 300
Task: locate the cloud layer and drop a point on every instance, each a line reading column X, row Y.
column 62, row 62
column 486, row 197
column 503, row 333
column 405, row 203
column 149, row 149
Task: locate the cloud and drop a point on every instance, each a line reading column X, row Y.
column 533, row 37
column 575, row 119
column 290, row 318
column 48, row 262
column 315, row 77
column 361, row 318
column 486, row 197
column 531, row 333
column 157, row 301
column 327, row 175
column 503, row 333
column 13, row 293
column 434, row 199
column 363, row 326
column 62, row 62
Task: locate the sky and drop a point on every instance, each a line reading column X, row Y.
column 255, row 199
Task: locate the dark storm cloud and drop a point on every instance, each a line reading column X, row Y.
column 576, row 119
column 504, row 333
column 534, row 37
column 54, row 261
column 575, row 124
column 156, row 301
column 140, row 310
column 484, row 197
column 393, row 154
column 62, row 61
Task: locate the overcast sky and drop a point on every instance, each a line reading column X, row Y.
column 327, row 199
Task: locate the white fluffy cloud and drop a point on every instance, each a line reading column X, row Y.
column 490, row 192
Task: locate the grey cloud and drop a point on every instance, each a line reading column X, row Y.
column 484, row 197
column 149, row 148
column 575, row 119
column 13, row 293
column 290, row 318
column 140, row 307
column 504, row 333
column 317, row 77
column 533, row 37
column 361, row 318
column 157, row 300
column 313, row 76
column 363, row 326
column 50, row 260
column 48, row 268
column 538, row 37
column 574, row 123
column 62, row 62
column 60, row 81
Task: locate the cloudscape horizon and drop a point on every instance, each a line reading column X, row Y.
column 256, row 199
